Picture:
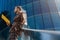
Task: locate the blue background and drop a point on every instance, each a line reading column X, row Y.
column 42, row 14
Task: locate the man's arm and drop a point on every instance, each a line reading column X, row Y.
column 23, row 22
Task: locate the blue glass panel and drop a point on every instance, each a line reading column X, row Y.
column 52, row 6
column 29, row 10
column 37, row 7
column 56, row 21
column 31, row 22
column 39, row 22
column 47, row 21
column 44, row 6
column 23, row 2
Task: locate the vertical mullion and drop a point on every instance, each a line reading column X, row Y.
column 33, row 14
column 42, row 17
column 50, row 15
column 34, row 19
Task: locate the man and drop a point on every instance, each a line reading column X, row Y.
column 19, row 21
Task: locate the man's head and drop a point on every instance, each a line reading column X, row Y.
column 17, row 9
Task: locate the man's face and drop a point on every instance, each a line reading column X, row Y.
column 15, row 10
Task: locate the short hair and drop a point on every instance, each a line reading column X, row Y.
column 19, row 7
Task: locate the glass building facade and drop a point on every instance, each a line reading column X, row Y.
column 41, row 14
